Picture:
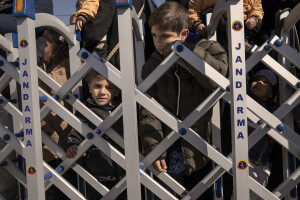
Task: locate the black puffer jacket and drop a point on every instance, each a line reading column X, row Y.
column 180, row 92
column 96, row 162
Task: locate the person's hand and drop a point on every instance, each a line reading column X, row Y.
column 79, row 25
column 251, row 23
column 72, row 151
column 160, row 165
column 201, row 29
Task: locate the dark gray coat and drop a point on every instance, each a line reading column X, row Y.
column 181, row 101
column 96, row 162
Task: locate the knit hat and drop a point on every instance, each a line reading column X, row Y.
column 272, row 78
column 268, row 74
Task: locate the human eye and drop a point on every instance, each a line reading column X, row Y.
column 165, row 36
column 97, row 86
column 109, row 87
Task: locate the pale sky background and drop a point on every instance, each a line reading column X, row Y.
column 63, row 9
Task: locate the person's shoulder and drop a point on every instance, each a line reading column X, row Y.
column 150, row 64
column 155, row 56
column 211, row 46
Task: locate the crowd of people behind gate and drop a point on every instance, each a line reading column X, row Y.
column 180, row 90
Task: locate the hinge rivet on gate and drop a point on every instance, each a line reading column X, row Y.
column 43, row 98
column 179, row 48
column 259, row 122
column 228, row 88
column 19, row 134
column 267, row 47
column 4, row 163
column 67, row 97
column 84, row 55
column 182, row 131
column 298, row 85
column 183, row 194
column 1, row 63
column 76, row 96
column 98, row 131
column 288, row 86
column 231, row 170
column 59, row 169
column 280, row 127
column 56, row 97
column 278, row 43
column 13, row 100
column 48, row 176
column 6, row 137
column 90, row 135
column 1, row 100
column 16, row 64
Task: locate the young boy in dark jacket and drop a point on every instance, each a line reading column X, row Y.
column 95, row 161
column 263, row 89
column 180, row 90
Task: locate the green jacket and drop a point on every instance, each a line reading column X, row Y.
column 180, row 92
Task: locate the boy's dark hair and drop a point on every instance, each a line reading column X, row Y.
column 60, row 47
column 93, row 74
column 170, row 16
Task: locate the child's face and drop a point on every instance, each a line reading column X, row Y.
column 262, row 88
column 162, row 38
column 102, row 91
column 47, row 50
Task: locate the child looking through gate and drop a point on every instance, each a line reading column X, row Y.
column 263, row 88
column 102, row 103
column 55, row 62
column 180, row 90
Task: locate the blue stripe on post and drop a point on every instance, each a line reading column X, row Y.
column 15, row 40
column 121, row 3
column 23, row 8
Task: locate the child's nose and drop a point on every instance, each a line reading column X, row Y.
column 102, row 91
column 261, row 82
column 159, row 40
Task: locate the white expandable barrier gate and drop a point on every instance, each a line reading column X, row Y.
column 26, row 139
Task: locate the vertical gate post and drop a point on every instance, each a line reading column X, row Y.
column 288, row 160
column 128, row 99
column 238, row 99
column 30, row 98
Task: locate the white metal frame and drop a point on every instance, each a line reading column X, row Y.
column 133, row 161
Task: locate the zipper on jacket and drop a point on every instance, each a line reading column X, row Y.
column 266, row 143
column 176, row 68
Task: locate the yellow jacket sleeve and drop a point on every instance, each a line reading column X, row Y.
column 196, row 7
column 86, row 8
column 253, row 8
